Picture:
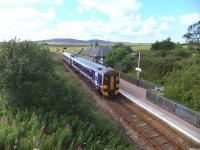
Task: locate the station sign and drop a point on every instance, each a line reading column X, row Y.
column 138, row 69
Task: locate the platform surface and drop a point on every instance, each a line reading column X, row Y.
column 138, row 96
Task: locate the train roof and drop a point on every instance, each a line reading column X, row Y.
column 89, row 64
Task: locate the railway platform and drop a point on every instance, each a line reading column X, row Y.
column 138, row 96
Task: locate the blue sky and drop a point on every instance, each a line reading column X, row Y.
column 137, row 21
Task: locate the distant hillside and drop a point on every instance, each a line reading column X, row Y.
column 73, row 41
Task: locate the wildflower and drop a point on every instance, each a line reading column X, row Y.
column 68, row 126
column 79, row 147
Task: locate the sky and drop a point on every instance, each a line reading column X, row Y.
column 137, row 21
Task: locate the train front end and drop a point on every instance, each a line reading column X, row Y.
column 110, row 83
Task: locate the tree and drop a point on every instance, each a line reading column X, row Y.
column 24, row 70
column 193, row 35
column 125, row 47
column 163, row 45
column 120, row 58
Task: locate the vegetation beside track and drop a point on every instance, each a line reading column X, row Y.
column 43, row 107
column 175, row 67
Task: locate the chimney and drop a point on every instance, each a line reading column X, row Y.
column 96, row 44
column 91, row 44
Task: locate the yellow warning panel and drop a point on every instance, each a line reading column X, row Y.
column 111, row 82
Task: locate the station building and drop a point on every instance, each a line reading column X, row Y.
column 96, row 52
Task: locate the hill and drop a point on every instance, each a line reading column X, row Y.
column 73, row 41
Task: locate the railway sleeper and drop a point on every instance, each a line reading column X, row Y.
column 146, row 128
column 133, row 117
column 152, row 134
column 160, row 140
column 128, row 113
column 136, row 120
column 141, row 124
column 168, row 146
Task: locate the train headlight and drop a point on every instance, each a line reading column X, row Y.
column 105, row 87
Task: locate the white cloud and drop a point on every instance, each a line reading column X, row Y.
column 28, row 2
column 49, row 15
column 23, row 21
column 124, row 21
column 122, row 31
column 170, row 19
column 188, row 19
column 58, row 2
column 18, row 2
column 80, row 9
column 114, row 9
column 149, row 23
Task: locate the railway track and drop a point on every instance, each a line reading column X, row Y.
column 152, row 136
column 132, row 117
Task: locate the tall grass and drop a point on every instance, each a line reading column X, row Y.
column 78, row 127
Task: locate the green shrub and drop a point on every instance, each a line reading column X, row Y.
column 163, row 45
column 120, row 59
column 43, row 107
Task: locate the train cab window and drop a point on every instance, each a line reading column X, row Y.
column 117, row 79
column 105, row 80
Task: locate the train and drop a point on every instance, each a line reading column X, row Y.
column 105, row 79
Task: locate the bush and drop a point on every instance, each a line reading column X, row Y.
column 163, row 45
column 31, row 78
column 184, row 87
column 25, row 71
column 120, row 58
column 181, row 52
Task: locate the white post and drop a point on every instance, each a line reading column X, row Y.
column 101, row 53
column 138, row 74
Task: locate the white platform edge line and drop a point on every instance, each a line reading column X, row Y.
column 192, row 135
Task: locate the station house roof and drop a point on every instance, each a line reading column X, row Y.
column 95, row 51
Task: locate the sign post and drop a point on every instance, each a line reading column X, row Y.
column 138, row 69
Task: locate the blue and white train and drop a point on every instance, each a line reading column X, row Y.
column 105, row 79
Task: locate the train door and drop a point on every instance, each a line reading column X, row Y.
column 105, row 81
column 99, row 79
column 70, row 62
column 93, row 75
column 96, row 78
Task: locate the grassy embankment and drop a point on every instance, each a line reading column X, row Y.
column 63, row 117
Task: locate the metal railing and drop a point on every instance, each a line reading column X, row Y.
column 141, row 82
column 154, row 95
column 175, row 108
